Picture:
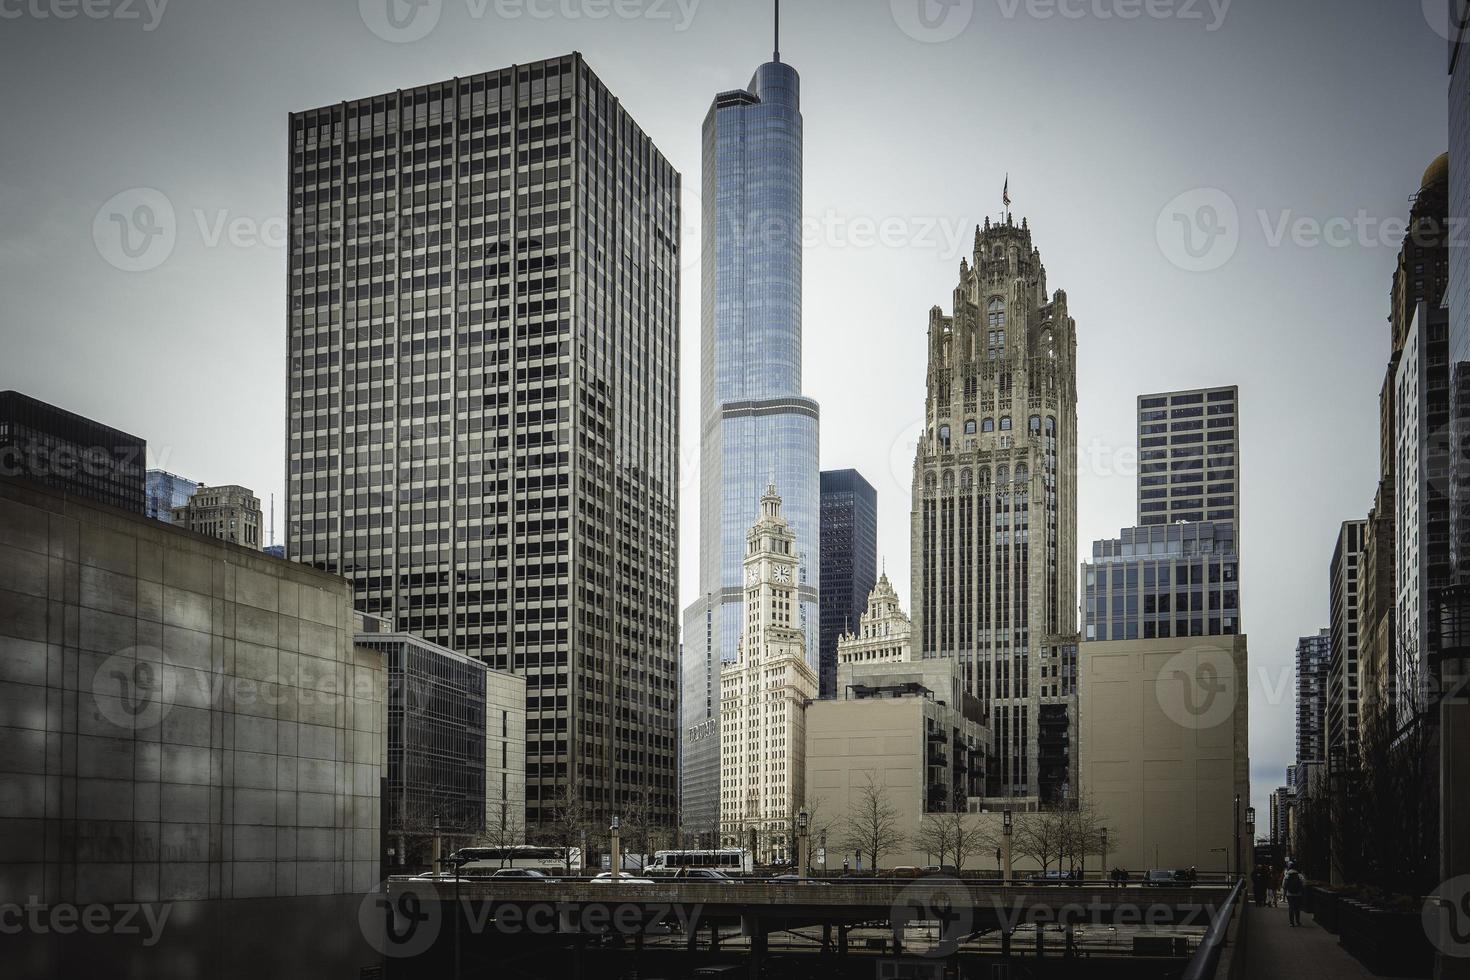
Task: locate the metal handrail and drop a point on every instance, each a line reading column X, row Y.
column 1206, row 958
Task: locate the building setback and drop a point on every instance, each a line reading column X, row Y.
column 71, row 453
column 994, row 520
column 756, row 427
column 482, row 400
column 849, row 561
column 1163, row 581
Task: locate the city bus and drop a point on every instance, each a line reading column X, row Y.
column 730, row 859
column 486, row 861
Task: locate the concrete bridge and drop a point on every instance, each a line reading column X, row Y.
column 471, row 913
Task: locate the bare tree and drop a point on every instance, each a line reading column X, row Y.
column 1081, row 830
column 640, row 824
column 504, row 829
column 872, row 823
column 934, row 837
column 1039, row 837
column 570, row 818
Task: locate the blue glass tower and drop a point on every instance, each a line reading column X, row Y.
column 756, row 426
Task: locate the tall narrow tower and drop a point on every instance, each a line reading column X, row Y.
column 763, row 696
column 994, row 517
column 755, row 426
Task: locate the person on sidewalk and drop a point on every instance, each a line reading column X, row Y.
column 1295, row 887
column 1273, row 889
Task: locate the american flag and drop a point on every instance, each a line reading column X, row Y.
column 1005, row 195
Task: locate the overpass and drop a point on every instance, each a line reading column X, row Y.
column 472, row 912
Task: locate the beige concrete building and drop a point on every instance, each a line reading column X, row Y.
column 183, row 723
column 764, row 694
column 229, row 513
column 884, row 631
column 1164, row 732
column 909, row 727
column 994, row 519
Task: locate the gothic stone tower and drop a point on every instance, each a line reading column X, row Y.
column 994, row 532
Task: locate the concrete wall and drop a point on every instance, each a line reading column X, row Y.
column 1165, row 747
column 183, row 723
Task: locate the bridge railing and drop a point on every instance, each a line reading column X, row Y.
column 1206, row 958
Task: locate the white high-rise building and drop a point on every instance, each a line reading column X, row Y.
column 883, row 632
column 763, row 696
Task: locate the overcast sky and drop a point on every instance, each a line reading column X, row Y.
column 1103, row 112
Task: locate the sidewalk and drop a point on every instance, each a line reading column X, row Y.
column 1275, row 949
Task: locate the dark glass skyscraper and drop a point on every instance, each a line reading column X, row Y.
column 1161, row 581
column 482, row 414
column 756, row 428
column 849, row 561
column 71, row 453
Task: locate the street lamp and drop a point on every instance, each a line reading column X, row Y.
column 802, row 821
column 1236, row 826
column 1105, row 851
column 1005, row 845
column 617, row 856
column 822, row 849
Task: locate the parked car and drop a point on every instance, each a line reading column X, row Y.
column 702, row 874
column 1160, row 877
column 606, row 878
column 905, row 871
column 523, row 874
column 1048, row 878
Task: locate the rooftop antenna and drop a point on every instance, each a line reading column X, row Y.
column 777, row 56
column 273, row 520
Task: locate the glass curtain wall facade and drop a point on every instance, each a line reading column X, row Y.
column 165, row 491
column 849, row 562
column 71, row 453
column 482, row 400
column 1163, row 581
column 1313, row 663
column 756, row 428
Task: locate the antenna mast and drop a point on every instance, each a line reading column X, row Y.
column 777, row 56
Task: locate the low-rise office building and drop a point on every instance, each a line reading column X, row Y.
column 230, row 513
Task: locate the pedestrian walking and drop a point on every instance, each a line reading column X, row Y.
column 1274, row 888
column 1294, row 886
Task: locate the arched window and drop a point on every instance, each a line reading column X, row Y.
column 1034, row 426
column 944, row 436
column 969, row 427
column 996, row 311
column 1005, row 423
column 1022, row 473
column 989, row 425
column 1051, row 426
column 1002, row 474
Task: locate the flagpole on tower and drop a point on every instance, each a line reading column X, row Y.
column 1005, row 199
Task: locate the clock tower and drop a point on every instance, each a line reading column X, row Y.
column 763, row 697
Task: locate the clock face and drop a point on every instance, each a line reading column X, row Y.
column 752, row 576
column 783, row 574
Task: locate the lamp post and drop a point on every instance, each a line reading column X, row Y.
column 1236, row 826
column 1336, row 760
column 822, row 851
column 802, row 820
column 1005, row 845
column 1105, row 852
column 617, row 855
